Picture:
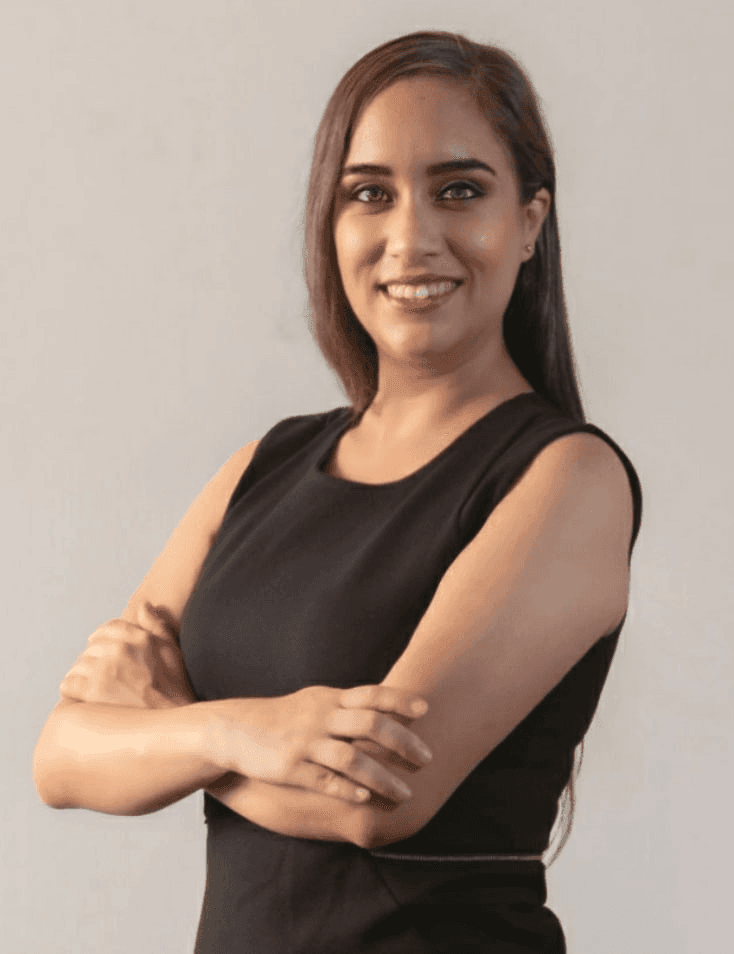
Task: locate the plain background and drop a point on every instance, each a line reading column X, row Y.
column 154, row 161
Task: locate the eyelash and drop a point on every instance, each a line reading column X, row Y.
column 453, row 185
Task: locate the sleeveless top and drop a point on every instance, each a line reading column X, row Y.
column 316, row 580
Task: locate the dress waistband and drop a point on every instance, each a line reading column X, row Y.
column 402, row 857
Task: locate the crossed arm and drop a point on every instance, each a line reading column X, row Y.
column 544, row 579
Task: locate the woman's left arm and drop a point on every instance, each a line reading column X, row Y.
column 543, row 580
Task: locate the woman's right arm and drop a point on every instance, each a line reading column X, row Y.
column 126, row 761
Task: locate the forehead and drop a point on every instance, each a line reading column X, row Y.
column 422, row 118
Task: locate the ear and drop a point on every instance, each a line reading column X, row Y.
column 535, row 214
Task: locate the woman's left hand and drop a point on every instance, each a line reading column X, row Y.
column 138, row 666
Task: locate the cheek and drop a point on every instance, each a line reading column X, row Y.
column 348, row 239
column 490, row 242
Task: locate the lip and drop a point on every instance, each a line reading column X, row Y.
column 427, row 278
column 418, row 304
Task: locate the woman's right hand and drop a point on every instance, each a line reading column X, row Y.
column 135, row 665
column 303, row 739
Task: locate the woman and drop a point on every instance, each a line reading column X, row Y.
column 458, row 533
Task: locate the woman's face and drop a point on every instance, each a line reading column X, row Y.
column 460, row 221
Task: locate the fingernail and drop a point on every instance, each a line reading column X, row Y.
column 420, row 707
column 425, row 752
column 403, row 788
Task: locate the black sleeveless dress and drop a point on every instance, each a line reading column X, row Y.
column 315, row 580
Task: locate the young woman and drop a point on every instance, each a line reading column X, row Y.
column 457, row 533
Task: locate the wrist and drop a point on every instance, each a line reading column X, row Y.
column 205, row 723
column 220, row 720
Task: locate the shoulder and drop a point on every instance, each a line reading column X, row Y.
column 583, row 481
column 582, row 459
column 583, row 453
column 597, row 461
column 289, row 430
column 315, row 418
column 173, row 576
column 215, row 496
column 298, row 428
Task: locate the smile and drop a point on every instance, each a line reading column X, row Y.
column 419, row 296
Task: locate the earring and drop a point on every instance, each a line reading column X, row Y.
column 528, row 248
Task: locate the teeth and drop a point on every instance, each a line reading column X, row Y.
column 420, row 291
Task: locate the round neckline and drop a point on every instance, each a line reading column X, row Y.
column 327, row 454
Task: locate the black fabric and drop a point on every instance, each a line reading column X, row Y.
column 318, row 580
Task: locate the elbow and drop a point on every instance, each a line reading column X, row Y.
column 51, row 772
column 46, row 797
column 46, row 781
column 52, row 803
column 362, row 832
column 377, row 838
column 377, row 829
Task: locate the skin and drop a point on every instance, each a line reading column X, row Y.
column 434, row 367
column 440, row 370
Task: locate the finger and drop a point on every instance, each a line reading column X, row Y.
column 116, row 631
column 380, row 728
column 320, row 779
column 384, row 698
column 359, row 768
column 79, row 673
column 78, row 667
column 158, row 620
column 74, row 686
column 132, row 646
column 122, row 630
column 100, row 644
column 67, row 693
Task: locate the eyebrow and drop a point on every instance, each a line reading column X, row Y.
column 452, row 165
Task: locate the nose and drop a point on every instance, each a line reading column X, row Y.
column 413, row 228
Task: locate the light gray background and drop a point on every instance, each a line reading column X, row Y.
column 153, row 165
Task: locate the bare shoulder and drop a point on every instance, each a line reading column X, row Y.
column 584, row 471
column 219, row 490
column 584, row 449
column 175, row 573
column 592, row 460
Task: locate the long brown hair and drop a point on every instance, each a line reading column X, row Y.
column 535, row 327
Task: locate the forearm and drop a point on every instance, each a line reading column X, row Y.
column 123, row 761
column 301, row 813
column 288, row 810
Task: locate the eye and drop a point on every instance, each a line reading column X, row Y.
column 454, row 186
column 362, row 189
column 463, row 186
